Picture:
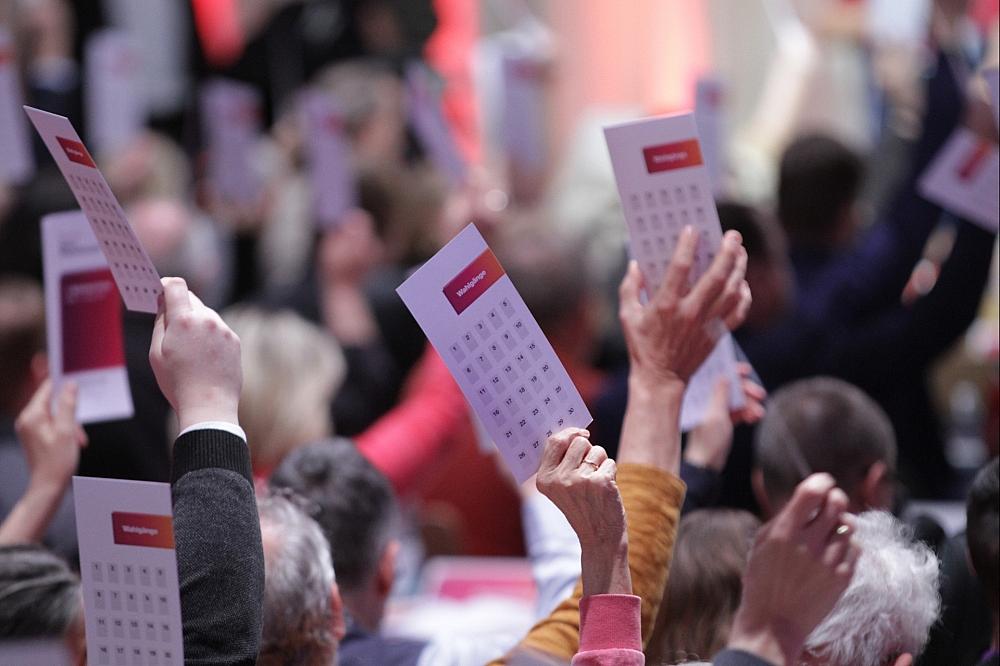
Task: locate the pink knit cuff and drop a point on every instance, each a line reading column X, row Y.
column 610, row 621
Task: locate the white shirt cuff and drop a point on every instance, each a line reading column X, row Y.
column 231, row 428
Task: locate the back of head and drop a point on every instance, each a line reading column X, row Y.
column 982, row 529
column 818, row 182
column 705, row 585
column 351, row 501
column 821, row 424
column 22, row 335
column 890, row 605
column 39, row 595
column 291, row 372
column 299, row 611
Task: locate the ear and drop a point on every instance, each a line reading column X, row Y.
column 337, row 608
column 875, row 490
column 386, row 573
column 905, row 659
column 760, row 493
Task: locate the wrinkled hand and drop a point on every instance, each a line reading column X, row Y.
column 51, row 438
column 195, row 357
column 801, row 563
column 670, row 336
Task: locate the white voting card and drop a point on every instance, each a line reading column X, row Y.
column 664, row 186
column 128, row 567
column 83, row 320
column 328, row 152
column 495, row 350
column 37, row 652
column 524, row 135
column 137, row 279
column 115, row 115
column 231, row 120
column 963, row 178
column 426, row 118
column 708, row 99
column 17, row 164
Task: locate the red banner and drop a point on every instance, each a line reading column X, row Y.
column 467, row 286
column 668, row 156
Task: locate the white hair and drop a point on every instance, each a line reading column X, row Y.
column 891, row 603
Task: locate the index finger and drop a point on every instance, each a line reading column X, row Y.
column 176, row 298
column 808, row 498
column 556, row 445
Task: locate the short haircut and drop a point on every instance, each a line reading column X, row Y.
column 890, row 604
column 292, row 370
column 22, row 335
column 821, row 424
column 39, row 594
column 298, row 587
column 982, row 529
column 749, row 222
column 705, row 585
column 818, row 178
column 350, row 499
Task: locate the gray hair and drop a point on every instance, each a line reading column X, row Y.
column 891, row 603
column 298, row 588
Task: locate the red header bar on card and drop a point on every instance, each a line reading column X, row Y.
column 463, row 290
column 143, row 529
column 975, row 159
column 670, row 156
column 76, row 152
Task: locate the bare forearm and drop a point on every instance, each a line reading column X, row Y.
column 650, row 434
column 605, row 568
column 31, row 515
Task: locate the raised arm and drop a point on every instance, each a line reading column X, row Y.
column 220, row 561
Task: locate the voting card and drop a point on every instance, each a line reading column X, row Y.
column 83, row 320
column 664, row 186
column 495, row 350
column 115, row 115
column 35, row 652
column 708, row 100
column 963, row 179
column 328, row 153
column 17, row 164
column 992, row 77
column 426, row 118
column 524, row 135
column 231, row 120
column 128, row 567
column 137, row 279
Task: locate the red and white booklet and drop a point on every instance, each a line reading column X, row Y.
column 137, row 279
column 964, row 179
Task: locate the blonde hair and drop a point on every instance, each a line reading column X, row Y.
column 292, row 370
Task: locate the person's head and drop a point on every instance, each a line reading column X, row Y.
column 705, row 584
column 354, row 505
column 303, row 618
column 23, row 364
column 823, row 424
column 291, row 373
column 885, row 615
column 818, row 183
column 982, row 530
column 768, row 270
column 39, row 597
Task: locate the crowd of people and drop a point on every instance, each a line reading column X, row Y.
column 319, row 453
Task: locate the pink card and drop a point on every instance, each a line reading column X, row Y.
column 17, row 164
column 461, row 578
column 664, row 186
column 424, row 108
column 964, row 179
column 128, row 568
column 114, row 113
column 136, row 277
column 83, row 319
column 331, row 172
column 231, row 118
column 495, row 350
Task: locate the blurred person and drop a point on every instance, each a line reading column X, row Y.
column 291, row 372
column 982, row 534
column 705, row 585
column 303, row 620
column 24, row 367
column 824, row 424
column 151, row 166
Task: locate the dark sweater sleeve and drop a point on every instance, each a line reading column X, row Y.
column 739, row 658
column 220, row 560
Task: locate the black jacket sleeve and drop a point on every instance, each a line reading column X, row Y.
column 220, row 560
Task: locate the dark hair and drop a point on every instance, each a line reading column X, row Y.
column 705, row 585
column 22, row 335
column 350, row 500
column 818, row 178
column 746, row 220
column 821, row 424
column 39, row 595
column 982, row 529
